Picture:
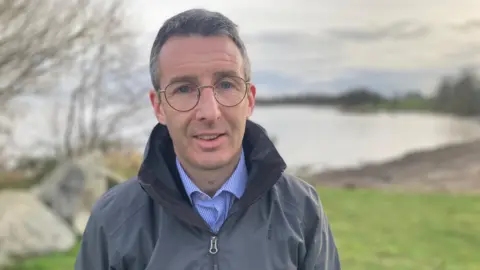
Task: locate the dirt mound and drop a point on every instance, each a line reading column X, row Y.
column 453, row 168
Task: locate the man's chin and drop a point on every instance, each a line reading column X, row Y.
column 211, row 160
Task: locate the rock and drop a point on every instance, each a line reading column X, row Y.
column 80, row 222
column 73, row 187
column 29, row 228
column 62, row 190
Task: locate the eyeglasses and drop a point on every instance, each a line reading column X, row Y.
column 184, row 96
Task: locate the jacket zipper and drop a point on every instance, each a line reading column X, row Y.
column 213, row 250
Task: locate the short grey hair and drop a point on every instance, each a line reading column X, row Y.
column 196, row 22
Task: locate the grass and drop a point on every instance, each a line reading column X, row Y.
column 382, row 230
column 386, row 230
column 58, row 261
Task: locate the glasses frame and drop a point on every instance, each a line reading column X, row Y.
column 199, row 92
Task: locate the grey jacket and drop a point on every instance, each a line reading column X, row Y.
column 148, row 223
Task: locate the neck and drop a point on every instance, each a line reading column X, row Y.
column 210, row 181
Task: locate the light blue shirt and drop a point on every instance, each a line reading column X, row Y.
column 214, row 209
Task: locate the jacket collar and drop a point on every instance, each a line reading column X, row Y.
column 160, row 179
column 234, row 185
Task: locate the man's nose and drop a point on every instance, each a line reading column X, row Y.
column 208, row 107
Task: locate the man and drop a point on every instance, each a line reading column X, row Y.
column 211, row 192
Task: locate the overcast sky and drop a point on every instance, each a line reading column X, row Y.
column 330, row 45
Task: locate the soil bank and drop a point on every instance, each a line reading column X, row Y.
column 453, row 168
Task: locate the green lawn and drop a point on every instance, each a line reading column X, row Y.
column 381, row 230
column 53, row 262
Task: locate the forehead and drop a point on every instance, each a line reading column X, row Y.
column 198, row 56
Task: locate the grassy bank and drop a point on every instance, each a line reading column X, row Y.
column 60, row 261
column 382, row 230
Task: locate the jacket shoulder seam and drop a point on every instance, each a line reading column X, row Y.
column 130, row 216
column 108, row 204
column 299, row 214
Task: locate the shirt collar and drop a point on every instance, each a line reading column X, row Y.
column 236, row 184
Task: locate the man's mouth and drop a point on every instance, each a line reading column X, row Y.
column 209, row 137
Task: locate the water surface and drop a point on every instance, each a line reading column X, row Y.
column 327, row 138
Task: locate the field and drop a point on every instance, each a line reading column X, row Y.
column 52, row 262
column 382, row 230
column 395, row 231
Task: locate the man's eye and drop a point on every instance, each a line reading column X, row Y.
column 184, row 89
column 225, row 85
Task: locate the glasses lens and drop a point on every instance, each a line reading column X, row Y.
column 182, row 96
column 230, row 91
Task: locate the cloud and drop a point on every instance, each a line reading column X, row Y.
column 272, row 83
column 387, row 81
column 466, row 56
column 396, row 31
column 467, row 26
column 307, row 56
column 339, row 44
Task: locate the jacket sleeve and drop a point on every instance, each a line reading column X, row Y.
column 321, row 250
column 93, row 253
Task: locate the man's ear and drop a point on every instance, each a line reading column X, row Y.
column 251, row 93
column 155, row 101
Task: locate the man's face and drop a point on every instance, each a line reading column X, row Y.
column 210, row 135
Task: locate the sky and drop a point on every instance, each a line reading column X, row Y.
column 329, row 46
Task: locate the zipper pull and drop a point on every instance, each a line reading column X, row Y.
column 213, row 245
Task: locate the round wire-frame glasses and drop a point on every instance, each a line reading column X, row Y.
column 184, row 96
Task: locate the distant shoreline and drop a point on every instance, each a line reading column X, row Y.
column 361, row 100
column 360, row 109
column 453, row 168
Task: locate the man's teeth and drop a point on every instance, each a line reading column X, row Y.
column 208, row 137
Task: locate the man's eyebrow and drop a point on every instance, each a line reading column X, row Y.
column 183, row 78
column 192, row 78
column 226, row 73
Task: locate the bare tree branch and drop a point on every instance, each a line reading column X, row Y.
column 108, row 92
column 42, row 42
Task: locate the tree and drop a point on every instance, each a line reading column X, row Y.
column 360, row 96
column 460, row 95
column 78, row 52
column 465, row 100
column 108, row 94
column 444, row 95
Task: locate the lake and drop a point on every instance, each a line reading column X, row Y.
column 327, row 138
column 322, row 137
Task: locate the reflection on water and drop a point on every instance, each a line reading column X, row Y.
column 327, row 138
